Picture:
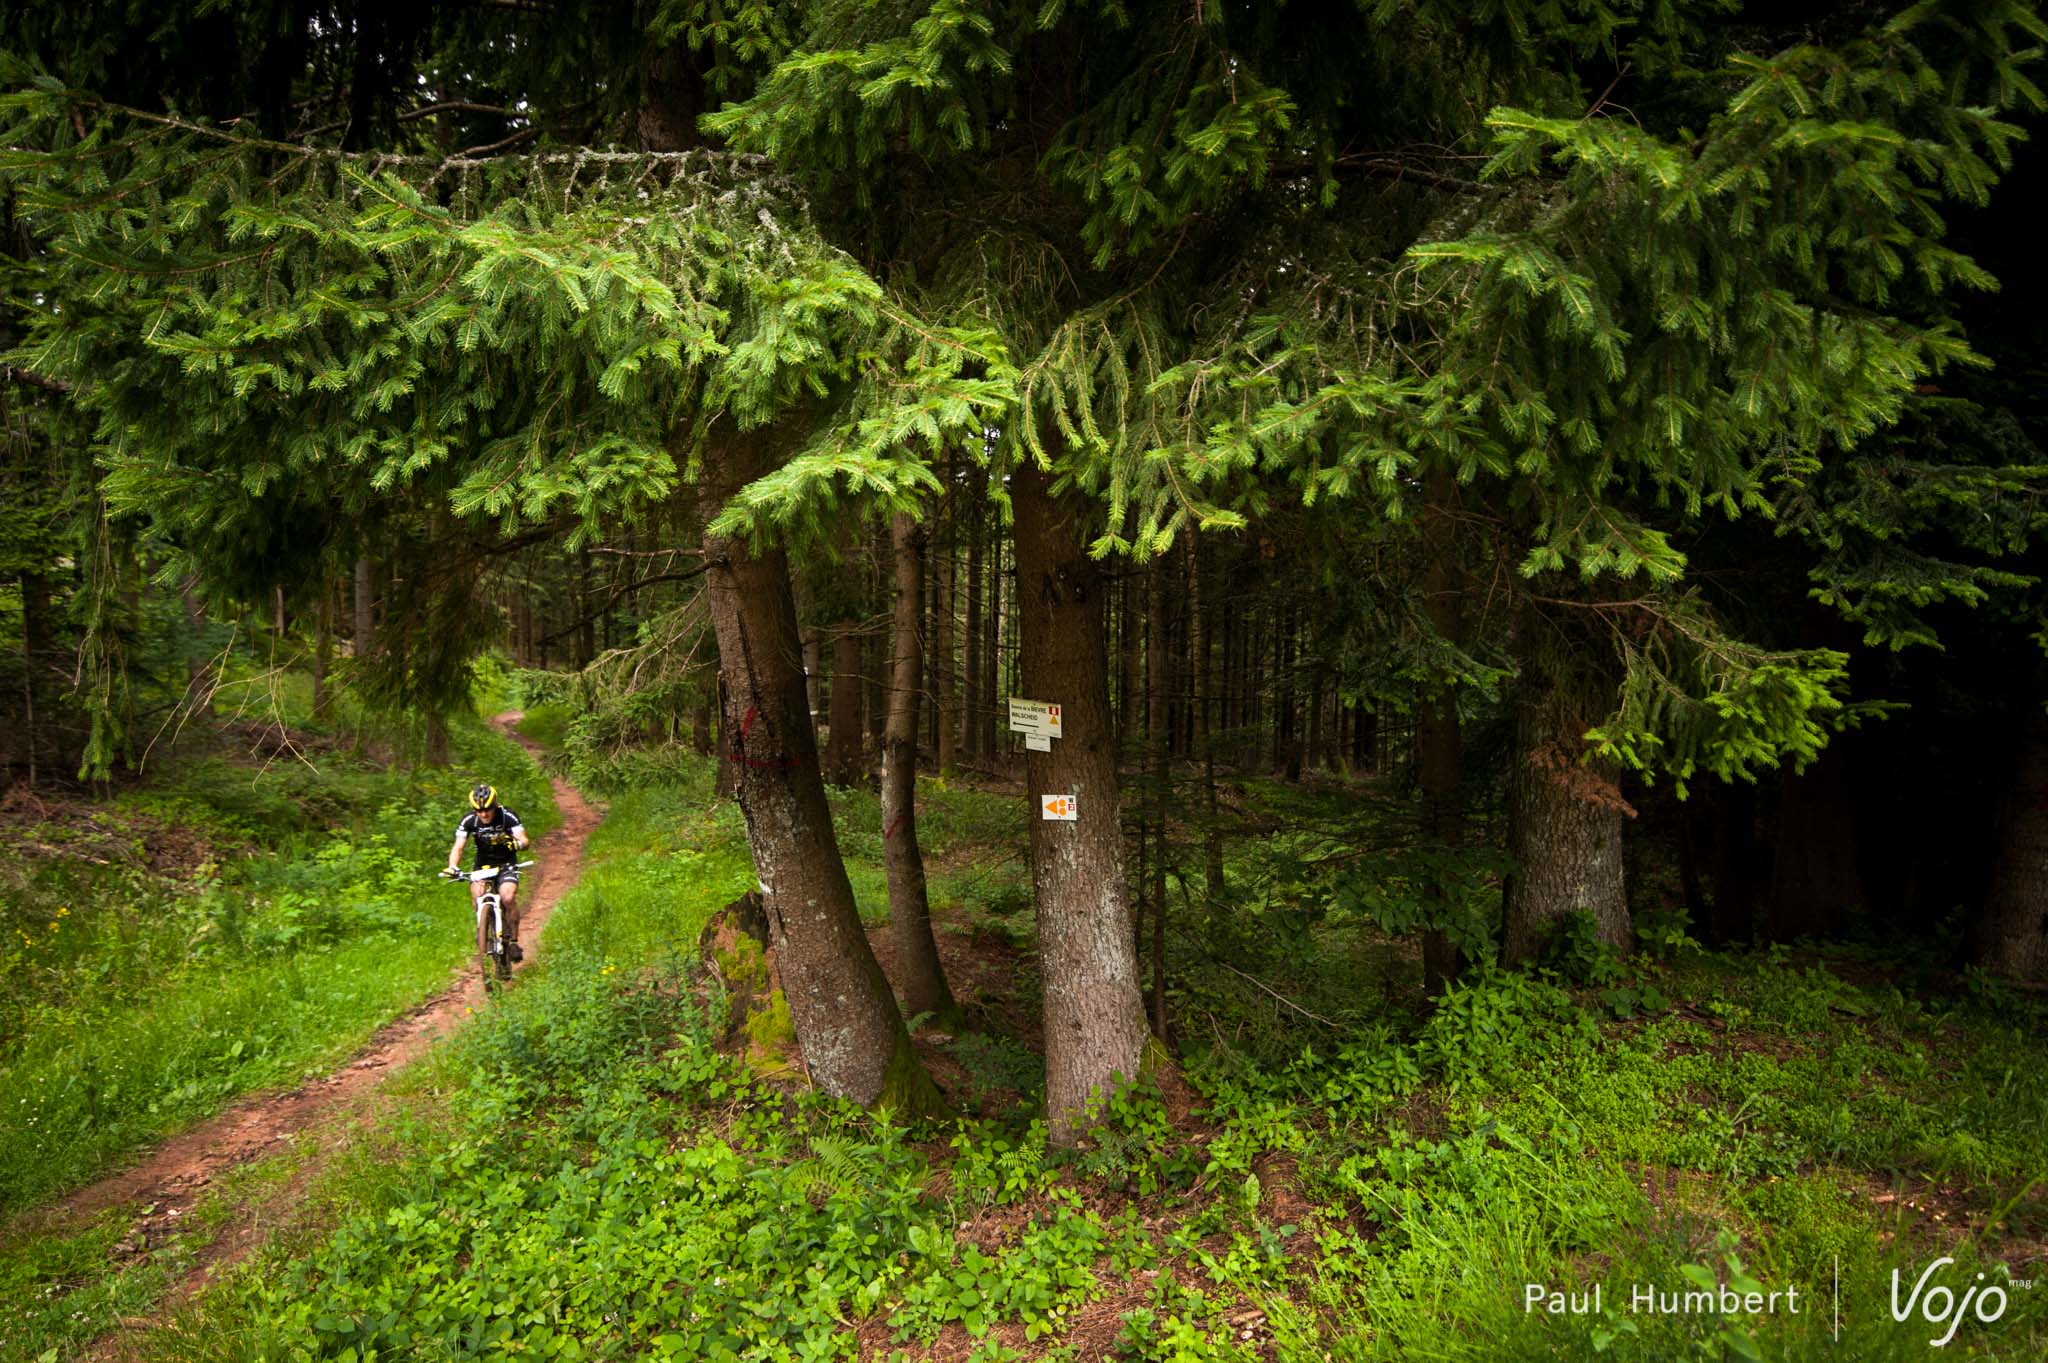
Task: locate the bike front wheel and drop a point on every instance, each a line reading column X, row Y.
column 490, row 946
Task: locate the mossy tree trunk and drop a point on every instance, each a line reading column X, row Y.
column 364, row 625
column 853, row 1039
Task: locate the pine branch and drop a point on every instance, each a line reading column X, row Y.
column 460, row 106
column 16, row 374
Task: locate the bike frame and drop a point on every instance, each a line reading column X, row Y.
column 489, row 899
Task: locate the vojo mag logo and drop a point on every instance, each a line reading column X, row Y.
column 1933, row 1300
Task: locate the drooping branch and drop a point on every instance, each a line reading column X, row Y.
column 618, row 593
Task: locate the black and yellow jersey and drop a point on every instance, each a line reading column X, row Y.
column 493, row 840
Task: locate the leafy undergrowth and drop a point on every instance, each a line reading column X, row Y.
column 234, row 922
column 545, row 723
column 601, row 1183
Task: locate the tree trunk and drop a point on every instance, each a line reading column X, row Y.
column 197, row 665
column 359, row 641
column 970, row 687
column 1158, row 739
column 1439, row 746
column 1285, row 762
column 1095, row 1033
column 1254, row 684
column 323, row 657
column 927, row 633
column 35, row 615
column 875, row 649
column 1198, row 650
column 843, row 745
column 853, row 1040
column 1438, row 750
column 814, row 680
column 725, row 783
column 992, row 658
column 920, row 979
column 1564, row 831
column 434, row 751
column 946, row 729
column 874, row 667
column 1312, row 754
column 1815, row 881
column 2012, row 937
column 1699, row 913
column 1229, row 652
column 1737, row 864
column 586, row 624
column 1129, row 636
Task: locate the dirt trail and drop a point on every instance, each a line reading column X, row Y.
column 172, row 1177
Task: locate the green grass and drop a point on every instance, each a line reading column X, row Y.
column 141, row 996
column 951, row 819
column 585, row 1195
column 61, row 1291
column 546, row 723
column 1574, row 1153
column 584, row 1176
column 603, row 1156
column 662, row 861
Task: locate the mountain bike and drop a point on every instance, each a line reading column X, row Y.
column 490, row 921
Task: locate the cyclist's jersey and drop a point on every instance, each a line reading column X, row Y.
column 493, row 840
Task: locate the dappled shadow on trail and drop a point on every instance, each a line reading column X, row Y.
column 170, row 1180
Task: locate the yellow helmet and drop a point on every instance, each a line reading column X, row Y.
column 483, row 797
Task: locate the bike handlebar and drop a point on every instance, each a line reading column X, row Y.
column 482, row 873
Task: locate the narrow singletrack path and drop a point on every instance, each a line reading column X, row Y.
column 170, row 1179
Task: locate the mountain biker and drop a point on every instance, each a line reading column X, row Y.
column 499, row 838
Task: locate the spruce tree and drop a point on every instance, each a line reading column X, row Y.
column 1223, row 252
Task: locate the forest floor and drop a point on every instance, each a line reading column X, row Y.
column 581, row 1172
column 310, row 1121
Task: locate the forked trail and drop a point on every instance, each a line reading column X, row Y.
column 172, row 1177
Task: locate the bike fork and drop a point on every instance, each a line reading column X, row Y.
column 494, row 941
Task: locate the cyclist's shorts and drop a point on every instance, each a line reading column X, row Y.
column 505, row 873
